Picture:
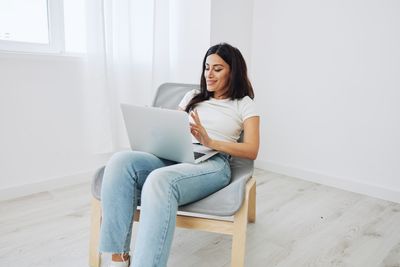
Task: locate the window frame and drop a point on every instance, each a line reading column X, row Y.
column 56, row 44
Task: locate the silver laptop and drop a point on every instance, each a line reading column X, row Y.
column 164, row 133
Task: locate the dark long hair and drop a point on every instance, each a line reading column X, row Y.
column 239, row 84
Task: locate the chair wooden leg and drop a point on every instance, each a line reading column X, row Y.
column 242, row 216
column 94, row 255
column 239, row 237
column 239, row 230
column 252, row 204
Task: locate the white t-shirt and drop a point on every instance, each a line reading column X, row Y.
column 222, row 118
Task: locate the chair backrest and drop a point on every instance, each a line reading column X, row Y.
column 228, row 200
column 169, row 95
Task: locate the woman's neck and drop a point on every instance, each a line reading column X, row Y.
column 220, row 96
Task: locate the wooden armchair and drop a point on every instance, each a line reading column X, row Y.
column 213, row 213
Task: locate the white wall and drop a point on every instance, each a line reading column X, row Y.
column 231, row 22
column 41, row 135
column 327, row 75
column 189, row 39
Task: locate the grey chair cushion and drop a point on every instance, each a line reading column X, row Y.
column 229, row 199
column 224, row 202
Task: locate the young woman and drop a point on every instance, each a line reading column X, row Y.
column 219, row 112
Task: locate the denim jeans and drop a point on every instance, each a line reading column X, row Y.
column 163, row 186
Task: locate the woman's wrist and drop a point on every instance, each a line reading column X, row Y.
column 212, row 144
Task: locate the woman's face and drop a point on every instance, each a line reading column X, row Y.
column 216, row 73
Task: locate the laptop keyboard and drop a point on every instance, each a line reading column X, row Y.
column 198, row 155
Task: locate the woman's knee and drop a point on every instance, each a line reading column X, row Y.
column 119, row 179
column 126, row 160
column 157, row 185
column 121, row 158
column 120, row 165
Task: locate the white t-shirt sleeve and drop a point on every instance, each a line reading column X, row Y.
column 187, row 97
column 248, row 108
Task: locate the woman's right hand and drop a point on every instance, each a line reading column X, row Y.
column 198, row 131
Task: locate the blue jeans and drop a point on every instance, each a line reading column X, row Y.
column 163, row 186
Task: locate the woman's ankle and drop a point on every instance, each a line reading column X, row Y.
column 120, row 257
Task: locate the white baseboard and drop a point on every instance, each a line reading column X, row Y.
column 352, row 185
column 45, row 185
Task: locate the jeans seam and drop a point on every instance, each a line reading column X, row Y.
column 164, row 234
column 135, row 182
column 126, row 241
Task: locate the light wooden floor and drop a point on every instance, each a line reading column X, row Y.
column 298, row 224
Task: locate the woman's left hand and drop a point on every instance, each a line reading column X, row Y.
column 198, row 131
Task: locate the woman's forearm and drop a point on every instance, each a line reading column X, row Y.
column 242, row 150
